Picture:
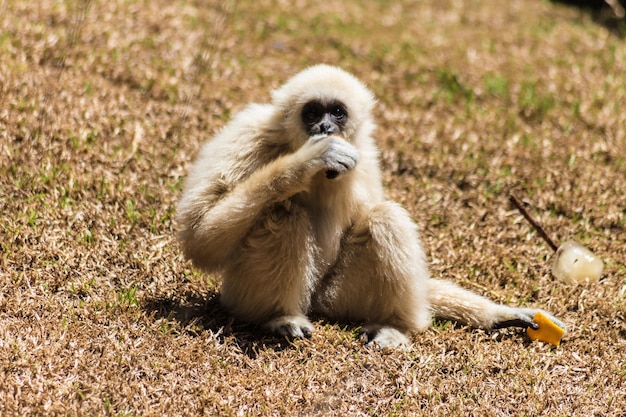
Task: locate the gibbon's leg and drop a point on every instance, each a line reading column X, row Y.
column 272, row 276
column 449, row 301
column 380, row 278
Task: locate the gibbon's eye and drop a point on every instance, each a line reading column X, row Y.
column 338, row 112
column 312, row 112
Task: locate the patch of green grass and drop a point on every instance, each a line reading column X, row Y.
column 442, row 325
column 65, row 200
column 128, row 296
column 453, row 88
column 534, row 103
column 497, row 85
column 86, row 236
column 32, row 218
column 81, row 288
column 132, row 214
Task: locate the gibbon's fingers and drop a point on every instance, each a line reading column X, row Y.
column 293, row 327
column 340, row 157
column 317, row 138
column 314, row 141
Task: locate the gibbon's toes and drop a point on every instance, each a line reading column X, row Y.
column 523, row 317
column 384, row 337
column 530, row 312
column 293, row 327
column 522, row 322
column 516, row 317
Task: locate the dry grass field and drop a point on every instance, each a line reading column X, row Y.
column 103, row 105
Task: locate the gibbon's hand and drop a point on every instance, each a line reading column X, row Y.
column 523, row 317
column 339, row 157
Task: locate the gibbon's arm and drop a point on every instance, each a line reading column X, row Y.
column 217, row 217
column 220, row 216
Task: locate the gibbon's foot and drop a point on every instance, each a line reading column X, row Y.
column 294, row 327
column 523, row 317
column 381, row 337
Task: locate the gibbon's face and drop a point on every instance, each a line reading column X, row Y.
column 323, row 100
column 327, row 118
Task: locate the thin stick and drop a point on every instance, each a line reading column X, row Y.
column 533, row 222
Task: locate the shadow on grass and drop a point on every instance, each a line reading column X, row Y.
column 611, row 17
column 199, row 313
column 496, row 335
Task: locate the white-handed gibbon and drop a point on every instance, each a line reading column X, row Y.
column 286, row 204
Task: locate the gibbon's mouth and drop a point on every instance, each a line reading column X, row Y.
column 331, row 174
column 327, row 135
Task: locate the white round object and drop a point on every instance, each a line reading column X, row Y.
column 575, row 263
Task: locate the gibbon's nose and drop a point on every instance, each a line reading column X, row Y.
column 327, row 127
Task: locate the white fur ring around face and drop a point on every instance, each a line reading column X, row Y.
column 574, row 263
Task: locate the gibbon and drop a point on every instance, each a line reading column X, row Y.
column 286, row 204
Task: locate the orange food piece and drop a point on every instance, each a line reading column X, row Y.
column 548, row 331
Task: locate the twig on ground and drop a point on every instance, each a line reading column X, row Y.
column 520, row 206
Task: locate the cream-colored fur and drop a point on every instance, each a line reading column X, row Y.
column 258, row 209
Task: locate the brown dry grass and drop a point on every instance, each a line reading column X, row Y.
column 103, row 105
